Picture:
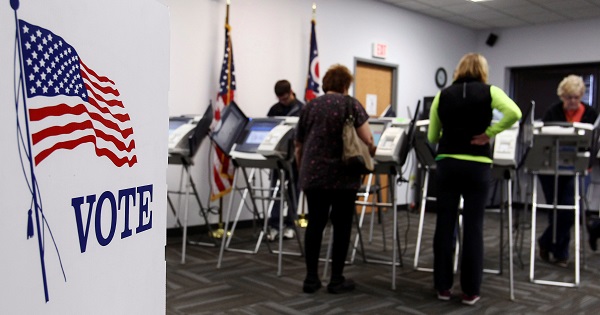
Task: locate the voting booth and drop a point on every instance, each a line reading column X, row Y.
column 506, row 158
column 426, row 158
column 559, row 149
column 395, row 140
column 186, row 134
column 256, row 145
column 371, row 188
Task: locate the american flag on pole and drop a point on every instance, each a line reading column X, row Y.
column 312, row 80
column 223, row 168
column 69, row 103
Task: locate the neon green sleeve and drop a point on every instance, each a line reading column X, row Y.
column 434, row 132
column 509, row 109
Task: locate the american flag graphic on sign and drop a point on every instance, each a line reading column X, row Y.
column 65, row 104
column 73, row 104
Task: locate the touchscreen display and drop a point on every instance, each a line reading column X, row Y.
column 377, row 130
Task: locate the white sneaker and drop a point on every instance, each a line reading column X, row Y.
column 289, row 233
column 272, row 234
column 470, row 299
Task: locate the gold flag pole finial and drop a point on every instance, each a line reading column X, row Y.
column 314, row 7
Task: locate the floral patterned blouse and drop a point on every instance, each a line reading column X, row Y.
column 319, row 131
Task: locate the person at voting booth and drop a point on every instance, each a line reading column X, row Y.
column 460, row 118
column 326, row 181
column 569, row 109
column 287, row 105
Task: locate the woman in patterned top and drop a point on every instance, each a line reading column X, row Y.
column 326, row 181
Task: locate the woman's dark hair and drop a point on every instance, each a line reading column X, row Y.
column 337, row 79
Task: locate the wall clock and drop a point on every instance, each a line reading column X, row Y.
column 441, row 77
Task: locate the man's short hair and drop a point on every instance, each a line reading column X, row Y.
column 282, row 87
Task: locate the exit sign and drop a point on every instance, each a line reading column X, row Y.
column 380, row 50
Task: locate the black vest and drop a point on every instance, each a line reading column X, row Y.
column 465, row 111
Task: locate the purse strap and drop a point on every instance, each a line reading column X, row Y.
column 349, row 101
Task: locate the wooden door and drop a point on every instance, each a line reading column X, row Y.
column 374, row 87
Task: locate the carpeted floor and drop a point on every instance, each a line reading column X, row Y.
column 250, row 284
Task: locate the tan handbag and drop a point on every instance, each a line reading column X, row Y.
column 356, row 153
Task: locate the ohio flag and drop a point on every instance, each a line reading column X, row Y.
column 69, row 104
column 312, row 80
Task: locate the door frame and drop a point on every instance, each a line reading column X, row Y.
column 517, row 76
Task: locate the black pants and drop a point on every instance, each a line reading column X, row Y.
column 291, row 199
column 341, row 203
column 471, row 180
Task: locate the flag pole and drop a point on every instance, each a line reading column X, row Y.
column 302, row 221
column 220, row 231
column 227, row 13
column 15, row 6
column 228, row 97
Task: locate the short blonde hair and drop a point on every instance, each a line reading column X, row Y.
column 472, row 65
column 337, row 79
column 571, row 85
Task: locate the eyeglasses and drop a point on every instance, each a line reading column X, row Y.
column 570, row 97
